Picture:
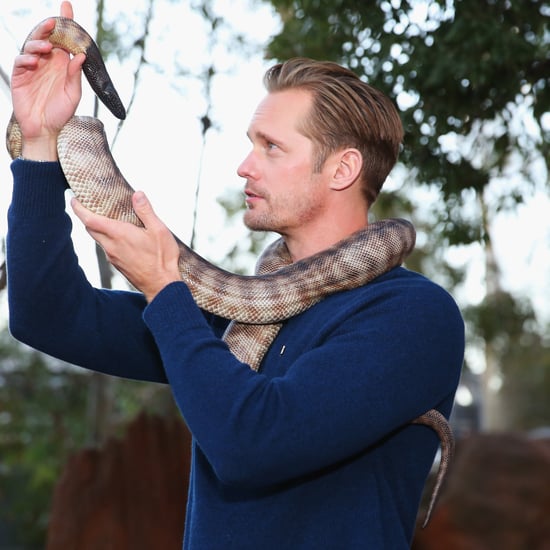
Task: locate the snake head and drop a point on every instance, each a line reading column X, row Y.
column 71, row 37
column 101, row 83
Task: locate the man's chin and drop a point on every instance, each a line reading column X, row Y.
column 255, row 223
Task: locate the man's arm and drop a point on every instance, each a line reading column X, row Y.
column 360, row 372
column 52, row 306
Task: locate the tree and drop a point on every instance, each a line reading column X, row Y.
column 43, row 402
column 49, row 409
column 101, row 392
column 465, row 70
column 508, row 326
column 472, row 81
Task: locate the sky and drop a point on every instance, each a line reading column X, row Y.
column 159, row 149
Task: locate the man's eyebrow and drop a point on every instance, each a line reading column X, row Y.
column 258, row 134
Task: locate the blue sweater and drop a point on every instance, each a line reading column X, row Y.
column 315, row 451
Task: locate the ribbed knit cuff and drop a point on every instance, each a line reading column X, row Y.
column 173, row 307
column 39, row 188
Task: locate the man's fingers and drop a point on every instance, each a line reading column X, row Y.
column 37, row 47
column 66, row 10
column 144, row 210
column 79, row 210
column 25, row 61
column 96, row 223
column 73, row 72
column 91, row 221
column 42, row 31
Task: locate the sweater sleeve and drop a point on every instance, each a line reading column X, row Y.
column 52, row 306
column 371, row 368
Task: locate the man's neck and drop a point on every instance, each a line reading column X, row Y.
column 308, row 241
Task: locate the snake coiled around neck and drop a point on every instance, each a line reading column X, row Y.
column 256, row 305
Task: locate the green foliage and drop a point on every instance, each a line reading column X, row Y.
column 43, row 419
column 469, row 70
column 472, row 81
column 509, row 326
column 42, row 404
column 526, row 368
column 500, row 319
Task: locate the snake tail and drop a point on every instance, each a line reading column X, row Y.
column 435, row 420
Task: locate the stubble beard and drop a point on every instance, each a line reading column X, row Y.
column 283, row 214
column 256, row 221
column 283, row 219
column 261, row 217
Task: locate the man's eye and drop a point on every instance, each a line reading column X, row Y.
column 270, row 145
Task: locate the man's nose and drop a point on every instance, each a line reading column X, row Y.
column 247, row 168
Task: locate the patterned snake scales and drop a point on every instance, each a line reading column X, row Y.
column 256, row 304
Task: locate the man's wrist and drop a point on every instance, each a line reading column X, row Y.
column 41, row 150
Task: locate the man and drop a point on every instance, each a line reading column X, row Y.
column 316, row 449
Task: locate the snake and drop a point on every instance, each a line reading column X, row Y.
column 256, row 305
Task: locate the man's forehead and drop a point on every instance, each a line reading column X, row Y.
column 280, row 109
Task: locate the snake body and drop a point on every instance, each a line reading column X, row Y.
column 257, row 305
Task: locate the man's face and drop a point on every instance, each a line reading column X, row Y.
column 282, row 192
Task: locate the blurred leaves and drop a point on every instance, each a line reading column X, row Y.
column 469, row 70
column 472, row 81
column 41, row 409
column 43, row 405
column 471, row 78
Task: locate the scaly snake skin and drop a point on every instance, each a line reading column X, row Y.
column 257, row 305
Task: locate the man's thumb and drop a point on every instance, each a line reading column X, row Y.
column 142, row 206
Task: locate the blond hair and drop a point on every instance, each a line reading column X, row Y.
column 346, row 112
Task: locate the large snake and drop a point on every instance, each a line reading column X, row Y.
column 256, row 305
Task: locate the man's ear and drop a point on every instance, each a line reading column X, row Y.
column 347, row 169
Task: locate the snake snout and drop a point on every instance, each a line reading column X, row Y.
column 70, row 36
column 111, row 99
column 101, row 83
